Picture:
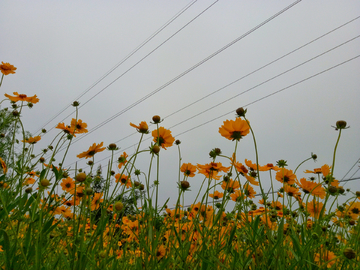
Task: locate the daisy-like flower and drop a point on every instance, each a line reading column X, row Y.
column 78, row 126
column 354, row 210
column 291, row 191
column 326, row 256
column 244, row 172
column 234, row 130
column 22, row 97
column 95, row 148
column 165, row 137
column 231, row 186
column 314, row 208
column 311, row 187
column 212, row 169
column 7, row 68
column 95, row 203
column 188, row 169
column 32, row 140
column 236, row 196
column 285, row 176
column 122, row 160
column 65, row 128
column 142, row 127
column 216, row 195
column 123, row 179
column 249, row 191
column 68, row 184
column 3, row 165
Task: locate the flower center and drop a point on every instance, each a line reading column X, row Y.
column 236, row 135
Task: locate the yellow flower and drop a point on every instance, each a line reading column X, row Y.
column 7, row 68
column 188, row 169
column 122, row 160
column 92, row 151
column 234, row 130
column 78, row 126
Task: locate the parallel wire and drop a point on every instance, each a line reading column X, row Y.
column 122, row 61
column 187, row 71
column 257, row 100
column 356, row 162
column 138, row 62
column 254, row 71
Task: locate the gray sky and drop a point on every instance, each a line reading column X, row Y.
column 61, row 48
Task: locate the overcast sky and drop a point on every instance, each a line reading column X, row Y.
column 61, row 48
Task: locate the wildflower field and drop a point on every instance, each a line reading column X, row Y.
column 298, row 224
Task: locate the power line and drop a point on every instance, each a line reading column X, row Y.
column 123, row 60
column 138, row 62
column 187, row 71
column 357, row 161
column 258, row 69
column 246, row 105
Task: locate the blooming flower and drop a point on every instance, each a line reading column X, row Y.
column 314, row 208
column 234, row 130
column 212, row 169
column 32, row 140
column 122, row 160
column 78, row 126
column 7, row 68
column 3, row 165
column 95, row 203
column 285, row 175
column 95, row 148
column 216, row 195
column 68, row 184
column 230, row 186
column 165, row 138
column 22, row 97
column 311, row 187
column 123, row 179
column 188, row 169
column 142, row 127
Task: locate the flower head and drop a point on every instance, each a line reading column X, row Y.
column 78, row 126
column 22, row 97
column 3, row 165
column 32, row 140
column 142, row 127
column 122, row 160
column 285, row 175
column 314, row 208
column 188, row 169
column 123, row 180
column 95, row 148
column 234, row 130
column 68, row 184
column 164, row 137
column 7, row 68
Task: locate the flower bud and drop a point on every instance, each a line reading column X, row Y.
column 45, row 183
column 241, row 112
column 81, row 177
column 177, row 142
column 156, row 119
column 75, row 103
column 341, row 124
column 184, row 185
column 333, row 189
column 155, row 149
column 112, row 146
column 119, row 206
column 28, row 190
column 349, row 253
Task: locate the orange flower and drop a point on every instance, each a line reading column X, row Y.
column 22, row 97
column 7, row 68
column 311, row 187
column 123, row 179
column 68, row 184
column 354, row 210
column 216, row 195
column 66, row 129
column 291, row 191
column 212, row 169
column 142, row 127
column 3, row 165
column 285, row 175
column 326, row 256
column 32, row 140
column 236, row 196
column 234, row 130
column 188, row 169
column 165, row 137
column 314, row 208
column 92, row 151
column 249, row 191
column 122, row 160
column 95, row 203
column 268, row 167
column 230, row 186
column 78, row 126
